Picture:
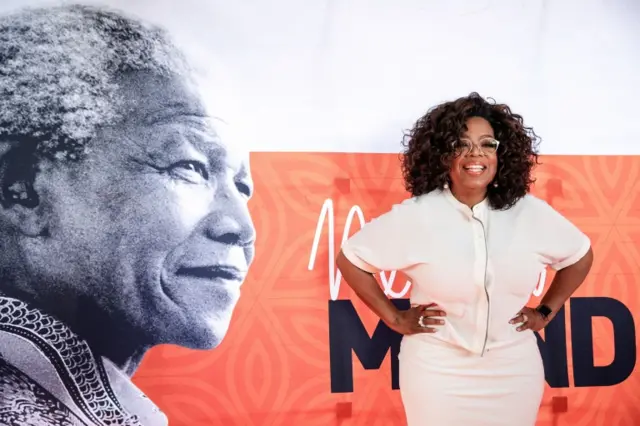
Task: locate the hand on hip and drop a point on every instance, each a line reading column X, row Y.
column 418, row 319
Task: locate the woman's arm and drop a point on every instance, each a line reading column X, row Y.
column 565, row 248
column 368, row 290
column 386, row 244
column 566, row 282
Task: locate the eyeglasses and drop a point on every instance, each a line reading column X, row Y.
column 487, row 146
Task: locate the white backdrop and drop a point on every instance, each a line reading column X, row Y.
column 350, row 75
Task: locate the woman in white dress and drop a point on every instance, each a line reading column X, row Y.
column 473, row 242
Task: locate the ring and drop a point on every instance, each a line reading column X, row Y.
column 420, row 323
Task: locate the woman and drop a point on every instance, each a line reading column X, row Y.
column 473, row 242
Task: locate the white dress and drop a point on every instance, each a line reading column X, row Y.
column 480, row 266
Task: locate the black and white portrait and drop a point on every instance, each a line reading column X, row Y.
column 123, row 214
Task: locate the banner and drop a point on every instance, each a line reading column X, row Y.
column 176, row 184
column 275, row 367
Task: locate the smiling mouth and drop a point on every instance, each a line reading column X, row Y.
column 223, row 272
column 475, row 169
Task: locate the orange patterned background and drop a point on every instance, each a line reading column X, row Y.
column 273, row 367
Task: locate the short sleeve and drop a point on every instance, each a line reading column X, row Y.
column 384, row 243
column 559, row 241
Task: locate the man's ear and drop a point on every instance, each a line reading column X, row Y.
column 20, row 205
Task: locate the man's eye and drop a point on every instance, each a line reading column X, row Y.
column 244, row 189
column 191, row 171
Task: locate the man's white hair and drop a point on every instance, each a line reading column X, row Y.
column 58, row 72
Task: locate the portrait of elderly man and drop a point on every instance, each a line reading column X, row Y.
column 123, row 215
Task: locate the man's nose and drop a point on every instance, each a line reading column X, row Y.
column 230, row 221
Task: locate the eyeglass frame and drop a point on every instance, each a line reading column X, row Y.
column 480, row 149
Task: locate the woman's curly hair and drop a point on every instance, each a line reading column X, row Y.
column 429, row 149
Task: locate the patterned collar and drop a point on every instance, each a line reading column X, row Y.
column 63, row 364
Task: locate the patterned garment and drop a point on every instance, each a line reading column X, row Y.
column 24, row 402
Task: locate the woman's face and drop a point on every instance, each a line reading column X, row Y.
column 474, row 168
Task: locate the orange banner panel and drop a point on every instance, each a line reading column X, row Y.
column 274, row 367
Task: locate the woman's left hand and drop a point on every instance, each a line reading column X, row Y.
column 529, row 319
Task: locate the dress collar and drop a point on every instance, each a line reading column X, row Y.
column 478, row 210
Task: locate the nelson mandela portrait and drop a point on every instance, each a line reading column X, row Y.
column 123, row 215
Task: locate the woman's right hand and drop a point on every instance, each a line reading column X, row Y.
column 418, row 319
